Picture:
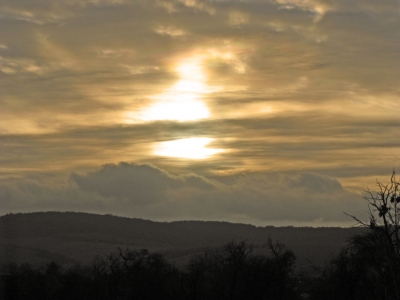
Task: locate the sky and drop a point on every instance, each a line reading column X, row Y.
column 266, row 112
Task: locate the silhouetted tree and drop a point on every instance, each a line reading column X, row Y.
column 135, row 274
column 369, row 267
column 381, row 245
column 234, row 273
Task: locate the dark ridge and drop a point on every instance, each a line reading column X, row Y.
column 71, row 237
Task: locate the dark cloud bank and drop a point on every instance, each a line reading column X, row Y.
column 145, row 191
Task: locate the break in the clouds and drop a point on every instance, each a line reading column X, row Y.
column 216, row 89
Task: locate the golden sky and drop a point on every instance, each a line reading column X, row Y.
column 271, row 112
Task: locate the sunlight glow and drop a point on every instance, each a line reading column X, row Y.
column 182, row 102
column 191, row 69
column 192, row 148
column 177, row 110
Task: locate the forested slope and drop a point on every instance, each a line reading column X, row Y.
column 67, row 237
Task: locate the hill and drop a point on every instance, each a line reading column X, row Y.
column 69, row 238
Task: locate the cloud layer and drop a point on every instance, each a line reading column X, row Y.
column 302, row 96
column 148, row 192
column 98, row 59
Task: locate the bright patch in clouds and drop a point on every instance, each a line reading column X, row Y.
column 170, row 30
column 181, row 102
column 191, row 69
column 182, row 108
column 191, row 148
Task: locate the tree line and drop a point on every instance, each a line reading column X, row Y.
column 232, row 272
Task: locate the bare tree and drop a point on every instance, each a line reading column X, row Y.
column 384, row 212
column 379, row 249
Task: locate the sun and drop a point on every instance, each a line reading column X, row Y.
column 190, row 148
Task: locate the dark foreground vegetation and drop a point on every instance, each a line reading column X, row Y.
column 230, row 273
column 367, row 268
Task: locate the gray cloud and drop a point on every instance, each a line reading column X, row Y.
column 138, row 184
column 38, row 193
column 146, row 191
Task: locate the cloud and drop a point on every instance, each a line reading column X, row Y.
column 317, row 7
column 295, row 87
column 237, row 17
column 13, row 66
column 307, row 142
column 170, row 30
column 331, row 54
column 138, row 184
column 143, row 190
column 38, row 193
column 199, row 5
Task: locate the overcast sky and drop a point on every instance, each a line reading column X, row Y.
column 269, row 112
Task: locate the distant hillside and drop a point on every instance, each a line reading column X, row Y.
column 69, row 238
